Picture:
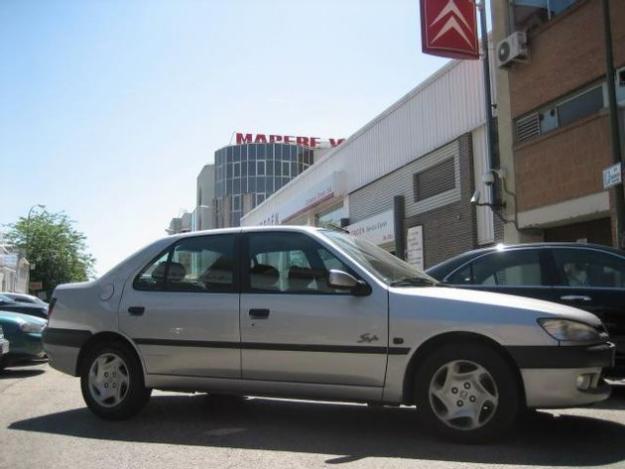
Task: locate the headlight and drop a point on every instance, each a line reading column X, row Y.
column 32, row 327
column 568, row 330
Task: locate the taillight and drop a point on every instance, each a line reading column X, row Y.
column 51, row 306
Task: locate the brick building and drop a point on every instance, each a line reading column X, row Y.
column 553, row 117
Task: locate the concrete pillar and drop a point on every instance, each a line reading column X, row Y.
column 500, row 11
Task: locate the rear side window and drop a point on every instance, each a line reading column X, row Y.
column 200, row 264
column 589, row 268
column 505, row 268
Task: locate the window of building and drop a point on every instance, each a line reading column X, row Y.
column 237, row 170
column 260, row 168
column 286, row 169
column 582, row 105
column 563, row 112
column 200, row 264
column 435, row 180
column 529, row 14
column 236, row 202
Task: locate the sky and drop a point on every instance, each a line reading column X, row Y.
column 109, row 109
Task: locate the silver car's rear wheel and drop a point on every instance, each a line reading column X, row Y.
column 109, row 380
column 463, row 395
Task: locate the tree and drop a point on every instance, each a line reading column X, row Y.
column 57, row 250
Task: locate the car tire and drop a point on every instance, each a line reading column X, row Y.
column 111, row 381
column 467, row 393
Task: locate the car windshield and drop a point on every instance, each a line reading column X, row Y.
column 383, row 265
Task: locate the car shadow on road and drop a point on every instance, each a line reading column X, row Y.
column 20, row 372
column 350, row 432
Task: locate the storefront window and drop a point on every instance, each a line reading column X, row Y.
column 331, row 217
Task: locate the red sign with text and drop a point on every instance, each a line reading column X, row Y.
column 449, row 28
column 312, row 142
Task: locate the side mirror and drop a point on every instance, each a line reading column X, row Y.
column 344, row 281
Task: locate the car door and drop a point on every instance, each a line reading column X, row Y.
column 593, row 280
column 182, row 309
column 522, row 272
column 295, row 328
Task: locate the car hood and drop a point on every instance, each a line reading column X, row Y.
column 512, row 303
column 19, row 317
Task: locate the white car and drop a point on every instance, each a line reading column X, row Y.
column 304, row 312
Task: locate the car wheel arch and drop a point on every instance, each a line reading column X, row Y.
column 437, row 341
column 103, row 338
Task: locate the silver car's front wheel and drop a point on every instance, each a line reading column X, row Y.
column 463, row 395
column 109, row 380
column 112, row 381
column 468, row 392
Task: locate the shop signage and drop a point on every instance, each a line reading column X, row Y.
column 612, row 176
column 312, row 142
column 34, row 286
column 449, row 28
column 327, row 189
column 378, row 229
column 414, row 247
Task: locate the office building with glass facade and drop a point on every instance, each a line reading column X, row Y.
column 247, row 174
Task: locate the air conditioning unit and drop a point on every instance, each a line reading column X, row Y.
column 512, row 49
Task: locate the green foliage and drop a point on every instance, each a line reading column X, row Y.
column 54, row 246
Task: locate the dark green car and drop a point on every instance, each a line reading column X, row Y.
column 24, row 335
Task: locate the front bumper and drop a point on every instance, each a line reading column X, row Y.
column 567, row 376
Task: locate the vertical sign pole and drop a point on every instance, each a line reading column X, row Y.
column 490, row 131
column 618, row 194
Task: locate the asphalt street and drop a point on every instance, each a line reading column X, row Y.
column 44, row 424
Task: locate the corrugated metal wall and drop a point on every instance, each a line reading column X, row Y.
column 439, row 110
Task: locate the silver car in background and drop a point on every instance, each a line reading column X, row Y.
column 305, row 312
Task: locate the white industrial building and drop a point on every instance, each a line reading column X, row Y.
column 405, row 179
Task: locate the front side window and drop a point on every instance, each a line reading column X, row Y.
column 588, row 268
column 199, row 264
column 505, row 268
column 290, row 263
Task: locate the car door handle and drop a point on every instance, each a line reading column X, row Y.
column 576, row 298
column 259, row 313
column 136, row 310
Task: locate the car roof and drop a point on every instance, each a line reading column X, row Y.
column 544, row 244
column 246, row 229
column 445, row 267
